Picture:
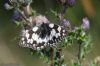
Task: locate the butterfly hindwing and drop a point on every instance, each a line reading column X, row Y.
column 39, row 37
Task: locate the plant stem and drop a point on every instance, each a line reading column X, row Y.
column 79, row 53
column 52, row 56
column 59, row 53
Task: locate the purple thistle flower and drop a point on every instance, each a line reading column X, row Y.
column 86, row 23
column 65, row 23
column 68, row 2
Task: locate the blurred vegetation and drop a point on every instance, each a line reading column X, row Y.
column 10, row 52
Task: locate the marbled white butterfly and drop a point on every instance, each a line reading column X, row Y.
column 39, row 37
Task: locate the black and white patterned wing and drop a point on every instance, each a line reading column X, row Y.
column 42, row 36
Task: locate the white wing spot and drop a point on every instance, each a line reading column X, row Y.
column 35, row 29
column 28, row 40
column 35, row 37
column 39, row 40
column 23, row 42
column 59, row 28
column 63, row 30
column 45, row 40
column 48, row 43
column 22, row 38
column 53, row 32
column 26, row 31
column 51, row 25
column 34, row 45
column 42, row 47
column 31, row 41
column 45, row 44
column 38, row 48
column 57, row 35
column 27, row 45
column 27, row 35
column 63, row 34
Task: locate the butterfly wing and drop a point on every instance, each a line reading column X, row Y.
column 42, row 36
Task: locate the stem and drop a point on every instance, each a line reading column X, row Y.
column 27, row 22
column 59, row 53
column 52, row 56
column 61, row 16
column 23, row 16
column 64, row 9
column 79, row 53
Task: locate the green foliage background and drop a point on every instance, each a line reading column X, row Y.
column 11, row 53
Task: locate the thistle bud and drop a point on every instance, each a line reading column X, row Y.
column 17, row 16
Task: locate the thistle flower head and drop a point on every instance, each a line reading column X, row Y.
column 68, row 2
column 40, row 19
column 65, row 23
column 86, row 23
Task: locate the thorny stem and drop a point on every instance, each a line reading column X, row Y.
column 51, row 56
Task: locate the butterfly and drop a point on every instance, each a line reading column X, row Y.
column 41, row 36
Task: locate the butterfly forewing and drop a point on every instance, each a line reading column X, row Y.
column 42, row 36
